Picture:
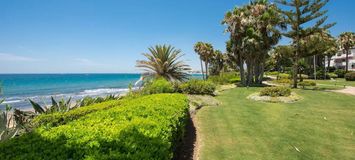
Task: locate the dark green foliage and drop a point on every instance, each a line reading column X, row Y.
column 275, row 91
column 159, row 85
column 340, row 73
column 164, row 61
column 147, row 127
column 225, row 78
column 350, row 76
column 58, row 118
column 195, row 86
column 57, row 106
column 307, row 83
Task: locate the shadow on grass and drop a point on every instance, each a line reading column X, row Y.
column 186, row 150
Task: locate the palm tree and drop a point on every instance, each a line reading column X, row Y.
column 205, row 51
column 163, row 61
column 347, row 41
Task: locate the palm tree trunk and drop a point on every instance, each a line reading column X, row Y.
column 206, row 68
column 295, row 70
column 203, row 76
column 347, row 61
column 241, row 70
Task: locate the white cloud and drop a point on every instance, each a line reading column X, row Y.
column 16, row 58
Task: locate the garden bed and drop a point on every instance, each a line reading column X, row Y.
column 282, row 99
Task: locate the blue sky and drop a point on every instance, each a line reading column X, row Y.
column 108, row 36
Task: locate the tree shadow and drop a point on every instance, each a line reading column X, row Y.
column 185, row 150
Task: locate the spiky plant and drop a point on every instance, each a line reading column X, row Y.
column 163, row 61
column 347, row 41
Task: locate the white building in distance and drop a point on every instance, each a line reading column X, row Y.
column 339, row 60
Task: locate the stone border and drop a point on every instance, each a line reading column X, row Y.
column 290, row 99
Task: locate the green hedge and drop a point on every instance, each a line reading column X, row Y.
column 225, row 78
column 58, row 118
column 195, row 86
column 147, row 127
column 350, row 76
column 159, row 85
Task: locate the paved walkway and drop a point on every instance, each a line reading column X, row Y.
column 347, row 90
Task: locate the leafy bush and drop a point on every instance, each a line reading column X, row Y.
column 58, row 118
column 195, row 86
column 225, row 78
column 307, row 83
column 350, row 76
column 340, row 73
column 332, row 75
column 283, row 76
column 273, row 73
column 159, row 85
column 275, row 91
column 148, row 127
column 284, row 81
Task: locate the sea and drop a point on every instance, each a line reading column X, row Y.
column 17, row 89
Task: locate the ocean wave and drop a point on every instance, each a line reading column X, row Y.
column 11, row 101
column 102, row 91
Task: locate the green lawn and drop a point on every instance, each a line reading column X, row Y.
column 338, row 82
column 321, row 126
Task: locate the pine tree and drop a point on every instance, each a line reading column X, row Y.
column 305, row 18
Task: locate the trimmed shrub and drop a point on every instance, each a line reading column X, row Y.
column 148, row 127
column 340, row 73
column 156, row 86
column 275, row 91
column 307, row 83
column 350, row 76
column 195, row 86
column 225, row 78
column 332, row 75
column 57, row 118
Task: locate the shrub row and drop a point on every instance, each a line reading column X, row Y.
column 147, row 127
column 275, row 91
column 225, row 78
column 58, row 118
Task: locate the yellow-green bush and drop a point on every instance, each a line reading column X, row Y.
column 148, row 127
column 275, row 91
column 307, row 83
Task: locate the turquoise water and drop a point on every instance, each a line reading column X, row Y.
column 18, row 88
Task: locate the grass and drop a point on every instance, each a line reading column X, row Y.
column 339, row 82
column 321, row 126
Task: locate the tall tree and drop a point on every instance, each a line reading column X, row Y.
column 346, row 42
column 205, row 51
column 254, row 30
column 163, row 61
column 217, row 62
column 303, row 12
